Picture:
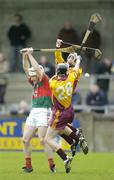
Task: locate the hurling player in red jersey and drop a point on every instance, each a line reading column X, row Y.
column 41, row 109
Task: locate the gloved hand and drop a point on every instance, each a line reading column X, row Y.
column 27, row 50
column 58, row 43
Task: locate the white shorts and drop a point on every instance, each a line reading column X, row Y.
column 39, row 117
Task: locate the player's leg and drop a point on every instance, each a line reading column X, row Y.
column 66, row 117
column 71, row 142
column 48, row 150
column 29, row 131
column 82, row 140
column 49, row 139
column 27, row 135
column 42, row 116
column 69, row 133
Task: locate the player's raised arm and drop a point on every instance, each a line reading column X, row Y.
column 58, row 55
column 39, row 69
column 78, row 61
column 26, row 63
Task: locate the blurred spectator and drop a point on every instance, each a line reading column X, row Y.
column 96, row 97
column 22, row 109
column 3, row 77
column 18, row 34
column 68, row 34
column 76, row 98
column 48, row 67
column 104, row 67
column 93, row 41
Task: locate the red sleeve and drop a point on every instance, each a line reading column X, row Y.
column 45, row 78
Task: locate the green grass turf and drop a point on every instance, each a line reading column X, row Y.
column 94, row 166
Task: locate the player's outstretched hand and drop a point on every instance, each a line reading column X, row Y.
column 58, row 43
column 30, row 50
column 26, row 50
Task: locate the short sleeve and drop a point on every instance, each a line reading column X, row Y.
column 52, row 82
column 79, row 74
column 76, row 74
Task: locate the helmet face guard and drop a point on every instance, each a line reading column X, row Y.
column 71, row 59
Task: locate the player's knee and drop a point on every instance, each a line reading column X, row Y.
column 42, row 141
column 46, row 140
column 26, row 140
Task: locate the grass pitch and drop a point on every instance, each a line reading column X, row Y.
column 94, row 166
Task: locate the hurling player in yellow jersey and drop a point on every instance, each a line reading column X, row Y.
column 72, row 60
column 62, row 87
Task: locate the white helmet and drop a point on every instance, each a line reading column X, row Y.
column 32, row 72
column 73, row 56
column 41, row 67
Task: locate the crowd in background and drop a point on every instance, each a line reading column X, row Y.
column 18, row 35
